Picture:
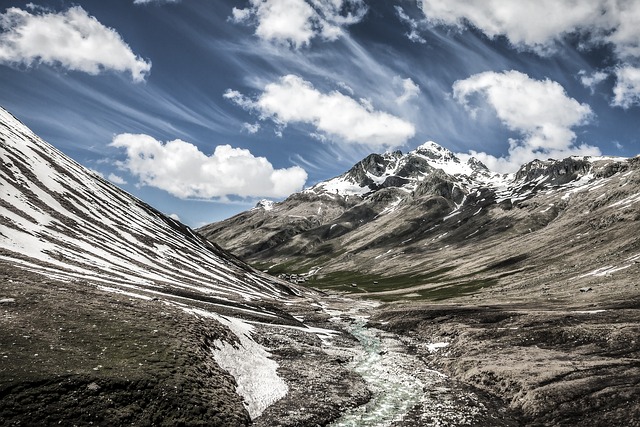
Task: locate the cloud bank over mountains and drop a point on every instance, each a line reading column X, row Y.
column 540, row 111
column 181, row 169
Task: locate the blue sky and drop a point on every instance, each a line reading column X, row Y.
column 203, row 107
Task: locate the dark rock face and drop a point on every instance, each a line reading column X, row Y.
column 440, row 184
column 558, row 172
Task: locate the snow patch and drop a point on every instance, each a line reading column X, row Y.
column 434, row 347
column 249, row 363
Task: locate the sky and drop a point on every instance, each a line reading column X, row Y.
column 201, row 107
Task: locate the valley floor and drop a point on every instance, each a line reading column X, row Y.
column 70, row 353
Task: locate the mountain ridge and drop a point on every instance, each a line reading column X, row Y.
column 387, row 215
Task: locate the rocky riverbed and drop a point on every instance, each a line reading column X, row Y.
column 547, row 365
column 388, row 382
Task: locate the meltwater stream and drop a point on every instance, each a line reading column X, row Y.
column 387, row 371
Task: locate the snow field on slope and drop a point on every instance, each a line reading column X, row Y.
column 63, row 216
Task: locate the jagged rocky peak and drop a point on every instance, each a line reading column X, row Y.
column 436, row 152
column 555, row 171
column 374, row 164
column 397, row 170
column 477, row 165
column 439, row 157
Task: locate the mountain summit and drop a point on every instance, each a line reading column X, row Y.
column 406, row 171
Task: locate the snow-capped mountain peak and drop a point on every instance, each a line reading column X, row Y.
column 405, row 171
column 264, row 204
column 435, row 151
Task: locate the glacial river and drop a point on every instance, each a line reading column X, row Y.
column 388, row 373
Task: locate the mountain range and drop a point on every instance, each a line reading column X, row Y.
column 427, row 225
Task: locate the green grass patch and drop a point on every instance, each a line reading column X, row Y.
column 343, row 280
column 448, row 291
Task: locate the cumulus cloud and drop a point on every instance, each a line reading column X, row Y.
column 410, row 90
column 540, row 110
column 294, row 100
column 182, row 170
column 72, row 39
column 539, row 25
column 626, row 92
column 297, row 22
column 532, row 24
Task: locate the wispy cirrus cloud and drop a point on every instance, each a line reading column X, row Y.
column 182, row 170
column 540, row 110
column 154, row 1
column 414, row 26
column 297, row 22
column 71, row 39
column 294, row 100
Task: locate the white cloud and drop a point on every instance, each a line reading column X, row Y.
column 174, row 216
column 181, row 169
column 410, row 90
column 592, row 80
column 413, row 24
column 626, row 92
column 294, row 100
column 539, row 25
column 251, row 127
column 71, row 39
column 116, row 179
column 540, row 110
column 531, row 24
column 297, row 22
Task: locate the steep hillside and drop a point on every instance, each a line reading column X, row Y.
column 62, row 220
column 426, row 225
column 112, row 313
